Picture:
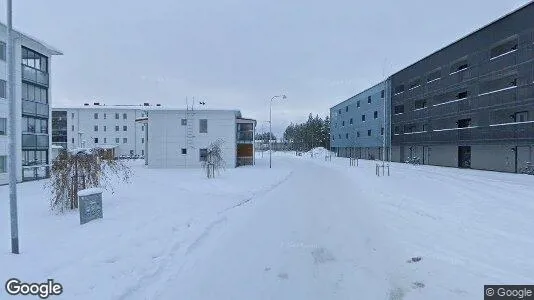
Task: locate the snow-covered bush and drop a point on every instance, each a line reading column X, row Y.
column 77, row 169
column 214, row 161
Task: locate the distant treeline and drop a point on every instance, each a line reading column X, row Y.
column 315, row 132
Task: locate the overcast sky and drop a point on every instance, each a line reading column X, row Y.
column 237, row 53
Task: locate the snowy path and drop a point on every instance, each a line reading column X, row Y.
column 313, row 237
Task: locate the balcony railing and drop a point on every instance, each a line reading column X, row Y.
column 245, row 136
column 245, row 161
column 34, row 108
column 34, row 75
column 35, row 141
column 35, row 172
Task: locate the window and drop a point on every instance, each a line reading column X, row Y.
column 425, row 127
column 34, row 59
column 415, row 83
column 117, row 128
column 358, row 103
column 351, row 121
column 203, row 154
column 72, row 115
column 408, row 128
column 375, row 115
column 125, row 140
column 346, row 136
column 143, row 152
column 105, row 128
column 363, row 118
column 124, row 128
column 28, row 124
column 368, row 99
column 504, row 48
column 382, row 94
column 397, row 130
column 116, row 116
column 3, row 167
column 142, row 140
column 96, row 127
column 339, row 135
column 357, row 134
column 72, row 127
column 369, row 132
column 462, row 95
column 399, row 109
column 3, row 128
column 339, row 111
column 96, row 116
column 105, row 140
column 382, row 131
column 434, row 75
column 117, row 140
column 105, row 116
column 419, row 104
column 124, row 116
column 459, row 66
column 343, row 123
column 72, row 140
column 399, row 89
column 3, row 91
column 96, row 140
column 3, row 51
column 142, row 127
column 463, row 123
column 184, row 122
column 34, row 93
column 521, row 116
column 346, row 108
column 131, row 152
column 497, row 85
column 203, row 126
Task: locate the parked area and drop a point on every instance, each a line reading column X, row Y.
column 308, row 228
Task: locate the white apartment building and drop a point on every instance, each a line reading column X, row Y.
column 99, row 125
column 32, row 100
column 180, row 138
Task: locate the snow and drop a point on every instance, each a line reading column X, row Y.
column 305, row 229
column 90, row 191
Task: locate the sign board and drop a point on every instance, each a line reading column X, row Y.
column 90, row 206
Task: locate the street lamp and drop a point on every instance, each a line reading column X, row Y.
column 270, row 126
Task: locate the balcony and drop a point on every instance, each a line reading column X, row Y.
column 35, row 141
column 245, row 137
column 34, row 75
column 35, row 108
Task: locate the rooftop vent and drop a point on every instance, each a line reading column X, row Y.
column 86, row 104
column 146, row 104
column 96, row 103
column 158, row 104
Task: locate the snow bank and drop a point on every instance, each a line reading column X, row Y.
column 319, row 152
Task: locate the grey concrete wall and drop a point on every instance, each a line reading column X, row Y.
column 443, row 155
column 493, row 157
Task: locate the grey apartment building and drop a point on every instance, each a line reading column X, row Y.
column 357, row 124
column 470, row 104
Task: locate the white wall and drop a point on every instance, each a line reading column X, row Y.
column 167, row 137
column 85, row 122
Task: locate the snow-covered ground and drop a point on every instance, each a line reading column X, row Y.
column 305, row 229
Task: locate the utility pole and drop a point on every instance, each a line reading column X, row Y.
column 12, row 132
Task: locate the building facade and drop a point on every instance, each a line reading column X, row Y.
column 470, row 104
column 32, row 99
column 98, row 125
column 360, row 124
column 180, row 138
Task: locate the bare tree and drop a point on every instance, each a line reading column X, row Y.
column 80, row 169
column 214, row 161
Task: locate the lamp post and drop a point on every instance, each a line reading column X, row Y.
column 270, row 126
column 12, row 133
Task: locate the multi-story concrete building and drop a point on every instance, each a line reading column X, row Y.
column 32, row 100
column 180, row 138
column 99, row 125
column 470, row 104
column 359, row 125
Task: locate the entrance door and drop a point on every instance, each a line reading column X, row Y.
column 464, row 156
column 426, row 155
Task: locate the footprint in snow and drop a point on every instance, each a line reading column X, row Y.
column 414, row 259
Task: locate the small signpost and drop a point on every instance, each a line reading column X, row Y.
column 90, row 204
